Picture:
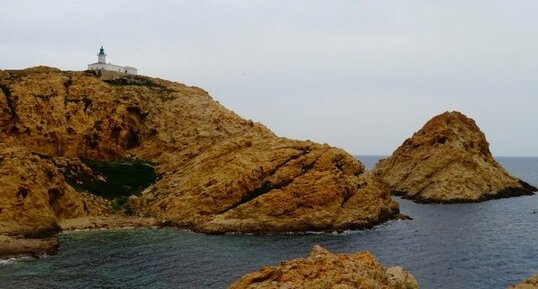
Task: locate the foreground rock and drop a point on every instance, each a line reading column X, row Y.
column 448, row 161
column 531, row 283
column 322, row 269
column 217, row 172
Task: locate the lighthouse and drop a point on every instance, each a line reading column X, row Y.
column 101, row 56
column 110, row 70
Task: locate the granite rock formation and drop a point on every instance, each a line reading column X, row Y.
column 34, row 195
column 322, row 269
column 531, row 283
column 448, row 161
column 13, row 247
column 217, row 171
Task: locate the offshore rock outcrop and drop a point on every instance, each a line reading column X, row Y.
column 322, row 269
column 217, row 171
column 448, row 161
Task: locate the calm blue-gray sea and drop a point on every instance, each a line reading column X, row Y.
column 481, row 246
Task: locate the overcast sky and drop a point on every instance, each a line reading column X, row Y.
column 361, row 75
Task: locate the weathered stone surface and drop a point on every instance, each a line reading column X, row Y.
column 217, row 172
column 253, row 184
column 447, row 161
column 34, row 195
column 322, row 269
column 531, row 283
column 110, row 222
column 11, row 247
column 33, row 198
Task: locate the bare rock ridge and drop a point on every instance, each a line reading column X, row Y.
column 531, row 283
column 322, row 269
column 448, row 161
column 217, row 172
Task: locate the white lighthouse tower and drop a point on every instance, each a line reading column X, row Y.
column 101, row 56
column 112, row 70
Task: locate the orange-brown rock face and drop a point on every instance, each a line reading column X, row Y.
column 531, row 283
column 217, row 172
column 322, row 269
column 446, row 161
column 34, row 195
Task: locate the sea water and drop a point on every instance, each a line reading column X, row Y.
column 484, row 245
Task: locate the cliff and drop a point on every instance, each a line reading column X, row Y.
column 446, row 161
column 34, row 195
column 322, row 269
column 217, row 172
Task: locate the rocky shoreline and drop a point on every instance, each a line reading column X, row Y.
column 13, row 247
column 524, row 190
column 215, row 171
column 20, row 246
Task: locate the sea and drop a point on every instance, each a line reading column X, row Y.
column 484, row 245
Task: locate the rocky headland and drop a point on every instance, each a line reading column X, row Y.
column 448, row 161
column 216, row 172
column 322, row 269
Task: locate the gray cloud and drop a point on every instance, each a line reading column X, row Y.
column 362, row 75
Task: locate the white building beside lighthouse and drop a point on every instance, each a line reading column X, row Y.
column 101, row 65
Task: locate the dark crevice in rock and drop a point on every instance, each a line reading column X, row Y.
column 263, row 189
column 92, row 140
column 287, row 161
column 23, row 192
column 54, row 195
column 87, row 103
column 85, row 100
column 7, row 92
column 133, row 140
column 267, row 186
column 86, row 210
column 137, row 113
column 115, row 133
column 48, row 96
column 347, row 196
column 67, row 85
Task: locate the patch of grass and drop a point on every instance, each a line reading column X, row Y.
column 123, row 178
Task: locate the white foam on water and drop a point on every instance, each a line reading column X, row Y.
column 13, row 260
